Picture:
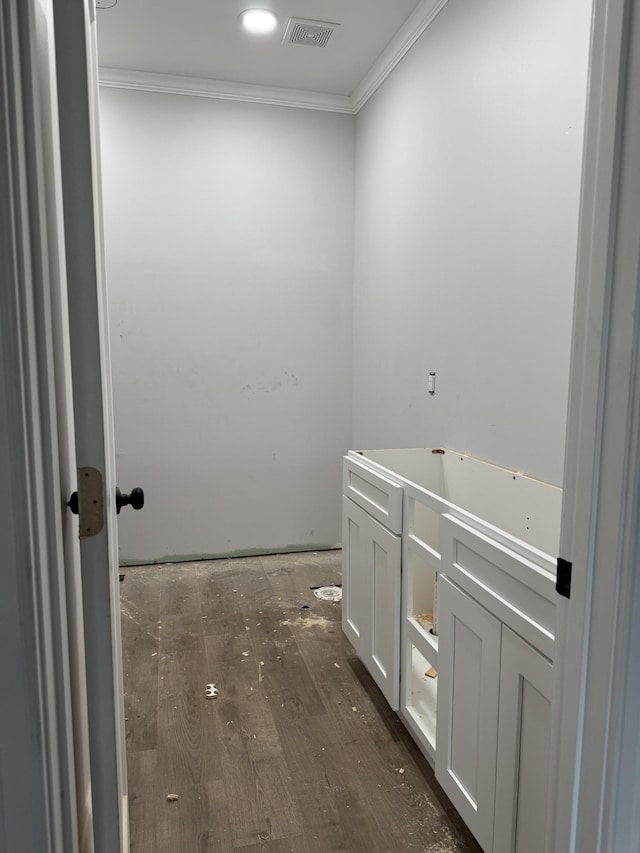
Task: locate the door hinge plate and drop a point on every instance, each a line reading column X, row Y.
column 90, row 502
column 563, row 578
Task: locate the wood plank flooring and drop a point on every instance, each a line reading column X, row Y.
column 298, row 752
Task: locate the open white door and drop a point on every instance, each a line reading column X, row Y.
column 61, row 753
column 76, row 67
column 43, row 754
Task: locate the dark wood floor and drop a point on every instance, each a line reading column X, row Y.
column 298, row 752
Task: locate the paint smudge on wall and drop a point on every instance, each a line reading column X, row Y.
column 268, row 386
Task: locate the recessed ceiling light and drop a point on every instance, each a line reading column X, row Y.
column 258, row 20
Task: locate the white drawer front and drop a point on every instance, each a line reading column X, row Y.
column 517, row 591
column 377, row 495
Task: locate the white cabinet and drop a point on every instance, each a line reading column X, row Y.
column 371, row 596
column 452, row 607
column 467, row 725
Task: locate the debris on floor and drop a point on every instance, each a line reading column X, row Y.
column 211, row 691
column 328, row 593
column 308, row 621
column 301, row 644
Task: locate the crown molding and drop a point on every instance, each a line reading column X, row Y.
column 422, row 16
column 200, row 87
column 147, row 81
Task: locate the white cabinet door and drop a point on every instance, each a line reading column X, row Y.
column 371, row 596
column 467, row 721
column 526, row 679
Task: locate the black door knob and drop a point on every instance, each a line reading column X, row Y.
column 135, row 499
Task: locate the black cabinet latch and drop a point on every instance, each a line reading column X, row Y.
column 563, row 578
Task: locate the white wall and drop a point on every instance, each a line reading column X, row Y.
column 468, row 171
column 229, row 245
column 229, row 238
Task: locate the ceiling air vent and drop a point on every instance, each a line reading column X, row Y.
column 312, row 33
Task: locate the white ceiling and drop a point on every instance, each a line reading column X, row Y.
column 203, row 38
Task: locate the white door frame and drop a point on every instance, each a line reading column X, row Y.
column 601, row 487
column 62, row 760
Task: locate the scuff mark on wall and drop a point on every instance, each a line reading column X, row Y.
column 270, row 385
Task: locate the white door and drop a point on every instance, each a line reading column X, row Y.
column 76, row 66
column 43, row 763
column 526, row 684
column 371, row 596
column 62, row 755
column 467, row 718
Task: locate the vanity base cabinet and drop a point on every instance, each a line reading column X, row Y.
column 371, row 597
column 455, row 618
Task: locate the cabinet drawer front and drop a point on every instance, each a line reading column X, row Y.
column 379, row 496
column 516, row 590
